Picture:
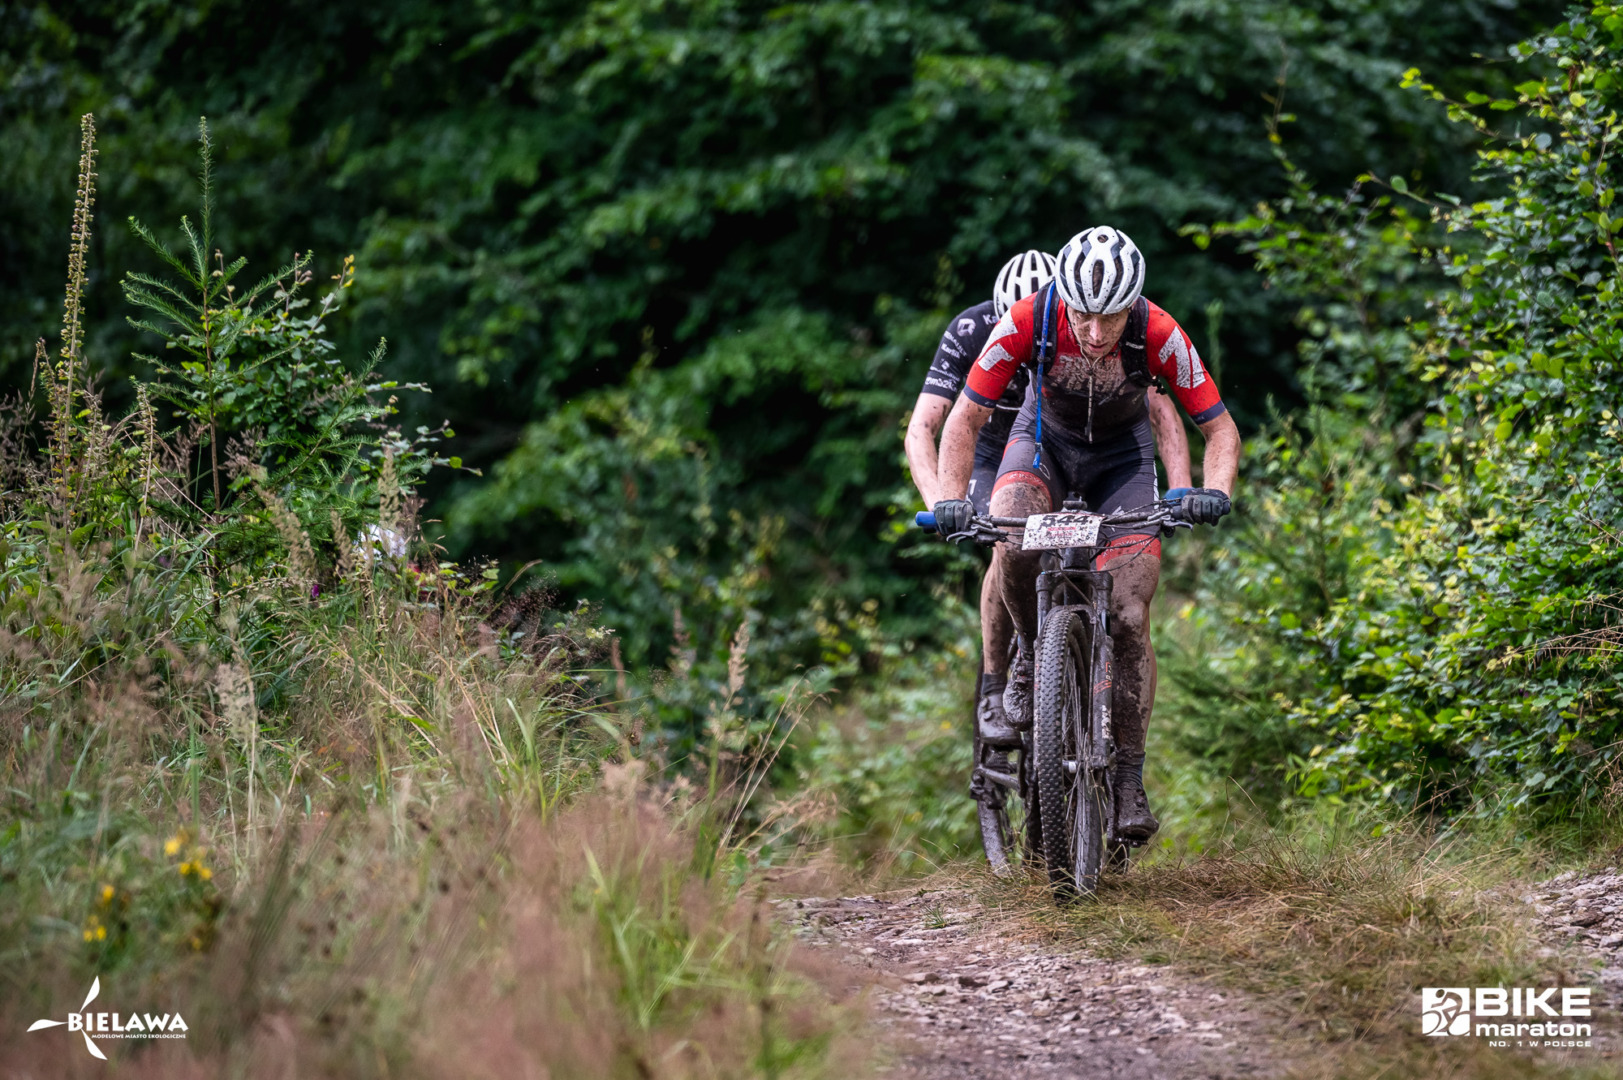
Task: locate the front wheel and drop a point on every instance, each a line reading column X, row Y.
column 1070, row 783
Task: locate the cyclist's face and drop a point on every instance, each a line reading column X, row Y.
column 1097, row 334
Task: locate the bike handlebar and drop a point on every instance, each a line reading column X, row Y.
column 988, row 529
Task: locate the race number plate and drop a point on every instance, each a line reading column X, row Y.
column 1070, row 528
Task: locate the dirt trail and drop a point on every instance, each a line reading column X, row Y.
column 972, row 997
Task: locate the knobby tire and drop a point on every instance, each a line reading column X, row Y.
column 1011, row 834
column 1070, row 806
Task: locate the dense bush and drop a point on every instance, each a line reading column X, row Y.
column 1426, row 610
column 673, row 267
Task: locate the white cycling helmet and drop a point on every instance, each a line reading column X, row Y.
column 1020, row 277
column 1100, row 271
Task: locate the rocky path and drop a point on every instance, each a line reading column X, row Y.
column 1587, row 910
column 972, row 997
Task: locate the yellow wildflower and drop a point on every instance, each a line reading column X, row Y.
column 106, row 894
column 185, row 868
column 171, row 845
column 101, row 933
column 90, row 935
column 204, row 872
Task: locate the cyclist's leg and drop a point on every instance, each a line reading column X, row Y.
column 1124, row 479
column 996, row 626
column 996, row 629
column 1022, row 490
column 1024, row 487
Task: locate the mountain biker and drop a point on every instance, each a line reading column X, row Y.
column 961, row 344
column 1108, row 344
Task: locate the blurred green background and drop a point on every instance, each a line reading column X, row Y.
column 674, row 269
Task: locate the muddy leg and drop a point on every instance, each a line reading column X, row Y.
column 1133, row 581
column 1018, row 569
column 996, row 625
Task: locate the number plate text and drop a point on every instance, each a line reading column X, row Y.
column 1070, row 528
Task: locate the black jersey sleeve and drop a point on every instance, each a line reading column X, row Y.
column 960, row 344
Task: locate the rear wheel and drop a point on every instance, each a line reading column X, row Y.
column 1011, row 830
column 1001, row 789
column 1070, row 794
column 1005, row 818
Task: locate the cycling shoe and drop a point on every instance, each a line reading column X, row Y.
column 993, row 722
column 1135, row 823
column 1017, row 697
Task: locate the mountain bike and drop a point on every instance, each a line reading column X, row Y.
column 1055, row 801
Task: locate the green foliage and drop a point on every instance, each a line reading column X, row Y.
column 675, row 268
column 1467, row 652
column 236, row 797
column 264, row 402
column 1238, row 654
column 893, row 763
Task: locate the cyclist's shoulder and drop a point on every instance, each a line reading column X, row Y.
column 1020, row 316
column 974, row 321
column 1161, row 324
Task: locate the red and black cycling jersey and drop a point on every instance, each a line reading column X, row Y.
column 1097, row 397
column 961, row 343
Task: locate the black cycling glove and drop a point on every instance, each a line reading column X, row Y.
column 1203, row 506
column 952, row 516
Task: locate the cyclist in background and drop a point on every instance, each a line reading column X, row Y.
column 1085, row 432
column 961, row 343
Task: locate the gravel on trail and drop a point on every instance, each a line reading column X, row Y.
column 971, row 996
column 1586, row 911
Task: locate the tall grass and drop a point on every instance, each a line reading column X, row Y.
column 341, row 809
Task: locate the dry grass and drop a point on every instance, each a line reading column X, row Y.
column 1335, row 931
column 347, row 815
column 476, row 945
column 421, row 856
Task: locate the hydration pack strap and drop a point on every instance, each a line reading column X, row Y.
column 1135, row 360
column 1046, row 347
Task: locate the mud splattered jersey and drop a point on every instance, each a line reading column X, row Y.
column 1098, row 397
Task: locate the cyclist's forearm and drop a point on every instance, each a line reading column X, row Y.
column 1221, row 463
column 958, row 448
column 1171, row 440
column 929, row 414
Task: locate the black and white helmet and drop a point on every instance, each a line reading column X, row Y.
column 1020, row 277
column 1100, row 271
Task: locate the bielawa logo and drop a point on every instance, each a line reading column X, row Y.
column 115, row 1025
column 1449, row 1011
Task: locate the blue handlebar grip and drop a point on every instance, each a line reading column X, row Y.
column 925, row 520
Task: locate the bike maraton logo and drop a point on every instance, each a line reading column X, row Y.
column 1449, row 1011
column 116, row 1025
column 1445, row 1012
